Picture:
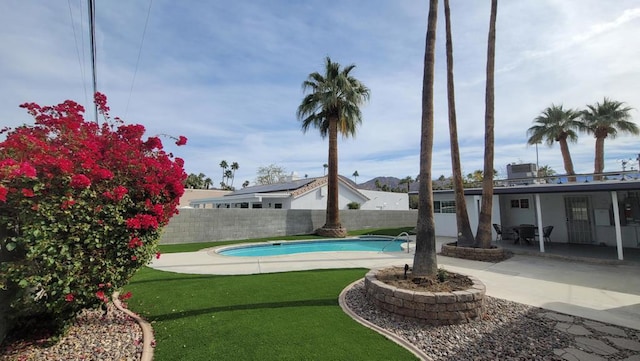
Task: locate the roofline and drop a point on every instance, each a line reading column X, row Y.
column 604, row 186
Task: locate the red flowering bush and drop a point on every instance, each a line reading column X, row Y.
column 81, row 207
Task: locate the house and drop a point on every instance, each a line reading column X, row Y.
column 603, row 213
column 307, row 193
column 191, row 194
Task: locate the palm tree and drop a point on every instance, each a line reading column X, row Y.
column 207, row 183
column 332, row 106
column 324, row 169
column 424, row 259
column 355, row 177
column 224, row 165
column 556, row 124
column 483, row 234
column 407, row 180
column 605, row 120
column 245, row 184
column 465, row 235
column 234, row 167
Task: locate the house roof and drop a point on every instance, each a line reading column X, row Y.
column 277, row 187
column 594, row 186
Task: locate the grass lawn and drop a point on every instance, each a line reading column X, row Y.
column 281, row 316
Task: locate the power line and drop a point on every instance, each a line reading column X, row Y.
column 144, row 31
column 92, row 34
column 80, row 63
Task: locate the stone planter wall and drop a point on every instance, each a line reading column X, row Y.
column 477, row 254
column 434, row 308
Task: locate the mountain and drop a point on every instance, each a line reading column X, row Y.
column 390, row 182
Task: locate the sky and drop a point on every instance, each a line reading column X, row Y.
column 228, row 74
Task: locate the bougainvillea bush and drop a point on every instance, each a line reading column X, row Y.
column 81, row 207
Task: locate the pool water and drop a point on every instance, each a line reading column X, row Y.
column 333, row 245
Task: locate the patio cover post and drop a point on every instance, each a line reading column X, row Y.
column 616, row 221
column 539, row 216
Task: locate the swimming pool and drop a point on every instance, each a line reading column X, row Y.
column 363, row 244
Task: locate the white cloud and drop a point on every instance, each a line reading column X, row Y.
column 227, row 75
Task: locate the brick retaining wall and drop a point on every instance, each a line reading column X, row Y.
column 434, row 308
column 477, row 254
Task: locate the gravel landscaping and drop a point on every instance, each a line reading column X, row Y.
column 508, row 331
column 93, row 336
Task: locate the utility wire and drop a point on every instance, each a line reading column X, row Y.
column 144, row 31
column 80, row 63
column 92, row 33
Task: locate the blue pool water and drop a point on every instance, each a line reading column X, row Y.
column 333, row 245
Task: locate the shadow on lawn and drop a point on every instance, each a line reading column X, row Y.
column 254, row 306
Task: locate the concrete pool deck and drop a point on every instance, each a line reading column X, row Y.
column 602, row 292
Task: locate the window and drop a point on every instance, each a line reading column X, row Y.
column 444, row 207
column 278, row 206
column 520, row 203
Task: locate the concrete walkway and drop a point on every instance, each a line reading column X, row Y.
column 601, row 292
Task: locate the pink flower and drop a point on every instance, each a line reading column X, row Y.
column 135, row 242
column 182, row 140
column 134, row 258
column 27, row 193
column 101, row 296
column 69, row 297
column 126, row 296
column 3, row 193
column 67, row 203
column 158, row 255
column 79, row 181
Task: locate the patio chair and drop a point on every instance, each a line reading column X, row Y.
column 527, row 233
column 498, row 229
column 546, row 233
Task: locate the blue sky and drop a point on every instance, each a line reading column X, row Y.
column 227, row 75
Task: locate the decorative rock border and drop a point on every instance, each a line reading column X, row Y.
column 477, row 254
column 434, row 308
column 147, row 331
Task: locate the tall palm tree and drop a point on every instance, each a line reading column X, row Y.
column 224, row 165
column 234, row 167
column 332, row 106
column 407, row 180
column 207, row 183
column 465, row 235
column 324, row 169
column 355, row 177
column 424, row 259
column 483, row 234
column 556, row 124
column 605, row 120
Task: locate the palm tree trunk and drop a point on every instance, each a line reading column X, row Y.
column 566, row 159
column 424, row 260
column 332, row 226
column 483, row 235
column 598, row 164
column 465, row 235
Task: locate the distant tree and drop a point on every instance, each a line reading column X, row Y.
column 224, row 165
column 547, row 173
column 407, row 180
column 324, row 171
column 355, row 177
column 556, row 124
column 207, row 183
column 377, row 184
column 245, row 184
column 194, row 181
column 234, row 167
column 605, row 120
column 271, row 174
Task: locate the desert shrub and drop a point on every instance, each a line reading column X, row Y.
column 353, row 205
column 81, row 208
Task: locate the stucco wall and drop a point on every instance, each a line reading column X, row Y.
column 204, row 225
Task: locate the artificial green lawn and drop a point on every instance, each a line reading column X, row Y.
column 280, row 316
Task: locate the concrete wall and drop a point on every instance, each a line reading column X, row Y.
column 205, row 225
